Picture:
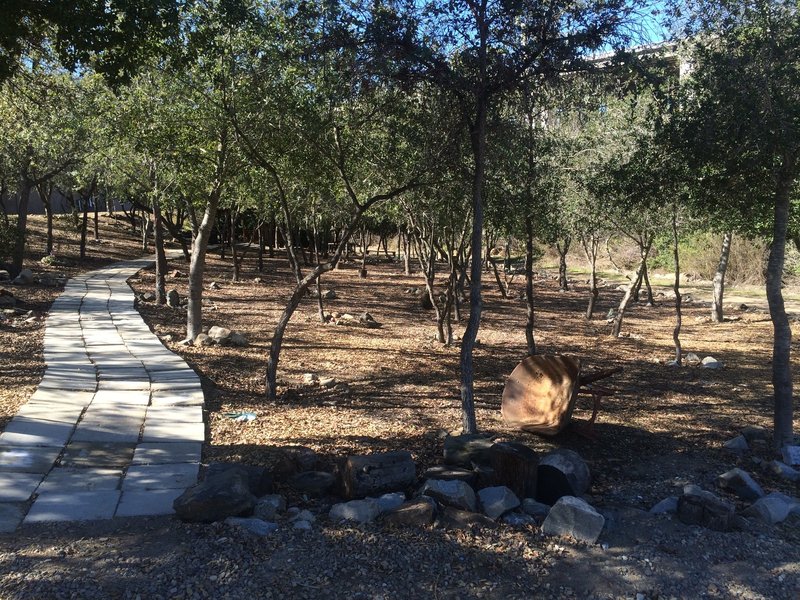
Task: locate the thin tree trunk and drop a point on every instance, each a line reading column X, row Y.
column 648, row 287
column 478, row 140
column 145, row 231
column 529, row 305
column 363, row 272
column 84, row 227
column 676, row 333
column 261, row 245
column 44, row 193
column 563, row 284
column 22, row 224
column 96, row 222
column 320, row 304
column 427, row 262
column 194, row 312
column 406, row 254
column 232, row 222
column 719, row 278
column 590, row 248
column 637, row 281
column 782, row 342
column 161, row 257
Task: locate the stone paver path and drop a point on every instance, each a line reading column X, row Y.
column 115, row 427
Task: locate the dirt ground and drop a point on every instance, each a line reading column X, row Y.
column 664, row 428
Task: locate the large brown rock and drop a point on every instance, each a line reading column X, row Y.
column 467, row 450
column 515, row 466
column 414, row 513
column 561, row 473
column 540, row 393
column 699, row 507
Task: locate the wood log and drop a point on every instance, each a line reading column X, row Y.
column 375, row 474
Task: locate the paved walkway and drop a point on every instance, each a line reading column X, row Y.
column 115, row 427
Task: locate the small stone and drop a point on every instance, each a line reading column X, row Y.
column 238, row 340
column 368, row 321
column 772, row 509
column 214, row 286
column 780, row 469
column 576, row 518
column 699, row 507
column 5, row 275
column 737, row 444
column 709, row 362
column 327, row 382
column 754, row 432
column 498, row 500
column 203, row 339
column 302, row 525
column 692, row 359
column 791, row 455
column 268, row 507
column 451, row 493
column 467, row 450
column 341, row 388
column 362, row 511
column 218, row 496
column 391, row 501
column 449, row 473
column 329, row 294
column 516, row 519
column 740, row 483
column 220, row 335
column 148, row 297
column 453, row 518
column 309, row 378
column 254, row 526
column 25, row 277
column 304, row 515
column 667, row 505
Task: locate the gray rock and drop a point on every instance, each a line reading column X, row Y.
column 295, row 459
column 368, row 321
column 362, row 511
column 539, row 510
column 329, row 294
column 309, row 378
column 791, row 455
column 254, row 526
column 238, row 340
column 148, row 297
column 304, row 515
column 467, row 450
column 516, row 519
column 755, row 432
column 302, row 525
column 390, row 501
column 259, row 479
column 780, row 469
column 450, row 473
column 709, row 362
column 313, row 483
column 454, row 518
column 5, row 275
column 221, row 495
column 25, row 277
column 667, row 505
column 173, row 298
column 327, row 382
column 268, row 507
column 451, row 493
column 561, row 473
column 740, row 483
column 7, row 299
column 496, row 501
column 737, row 444
column 692, row 359
column 574, row 517
column 515, row 466
column 220, row 335
column 772, row 509
column 203, row 339
column 415, row 513
column 699, row 507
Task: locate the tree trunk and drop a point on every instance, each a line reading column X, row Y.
column 635, row 284
column 676, row 333
column 563, row 284
column 648, row 287
column 426, row 255
column 529, row 306
column 22, row 225
column 781, row 348
column 194, row 311
column 500, row 285
column 84, row 227
column 320, row 305
column 364, row 242
column 719, row 278
column 406, row 254
column 233, row 219
column 96, row 222
column 44, row 193
column 145, row 231
column 478, row 141
column 261, row 246
column 161, row 257
column 590, row 248
column 175, row 230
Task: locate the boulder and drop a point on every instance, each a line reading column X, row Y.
column 203, row 339
column 362, row 511
column 467, row 450
column 737, row 444
column 415, row 513
column 709, row 362
column 327, row 382
column 561, row 473
column 755, row 432
column 515, row 466
column 222, row 495
column 148, row 297
column 451, row 493
column 699, row 507
column 538, row 510
column 220, row 335
column 691, row 359
column 368, row 321
column 497, row 501
column 269, row 506
column 238, row 340
column 773, row 509
column 451, row 473
column 454, row 518
column 304, row 515
column 255, row 526
column 329, row 294
column 313, row 483
column 7, row 299
column 791, row 455
column 391, row 501
column 574, row 517
column 515, row 519
column 310, row 378
column 5, row 275
column 740, row 483
column 784, row 471
column 173, row 298
column 25, row 277
column 667, row 505
column 295, row 459
column 259, row 479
